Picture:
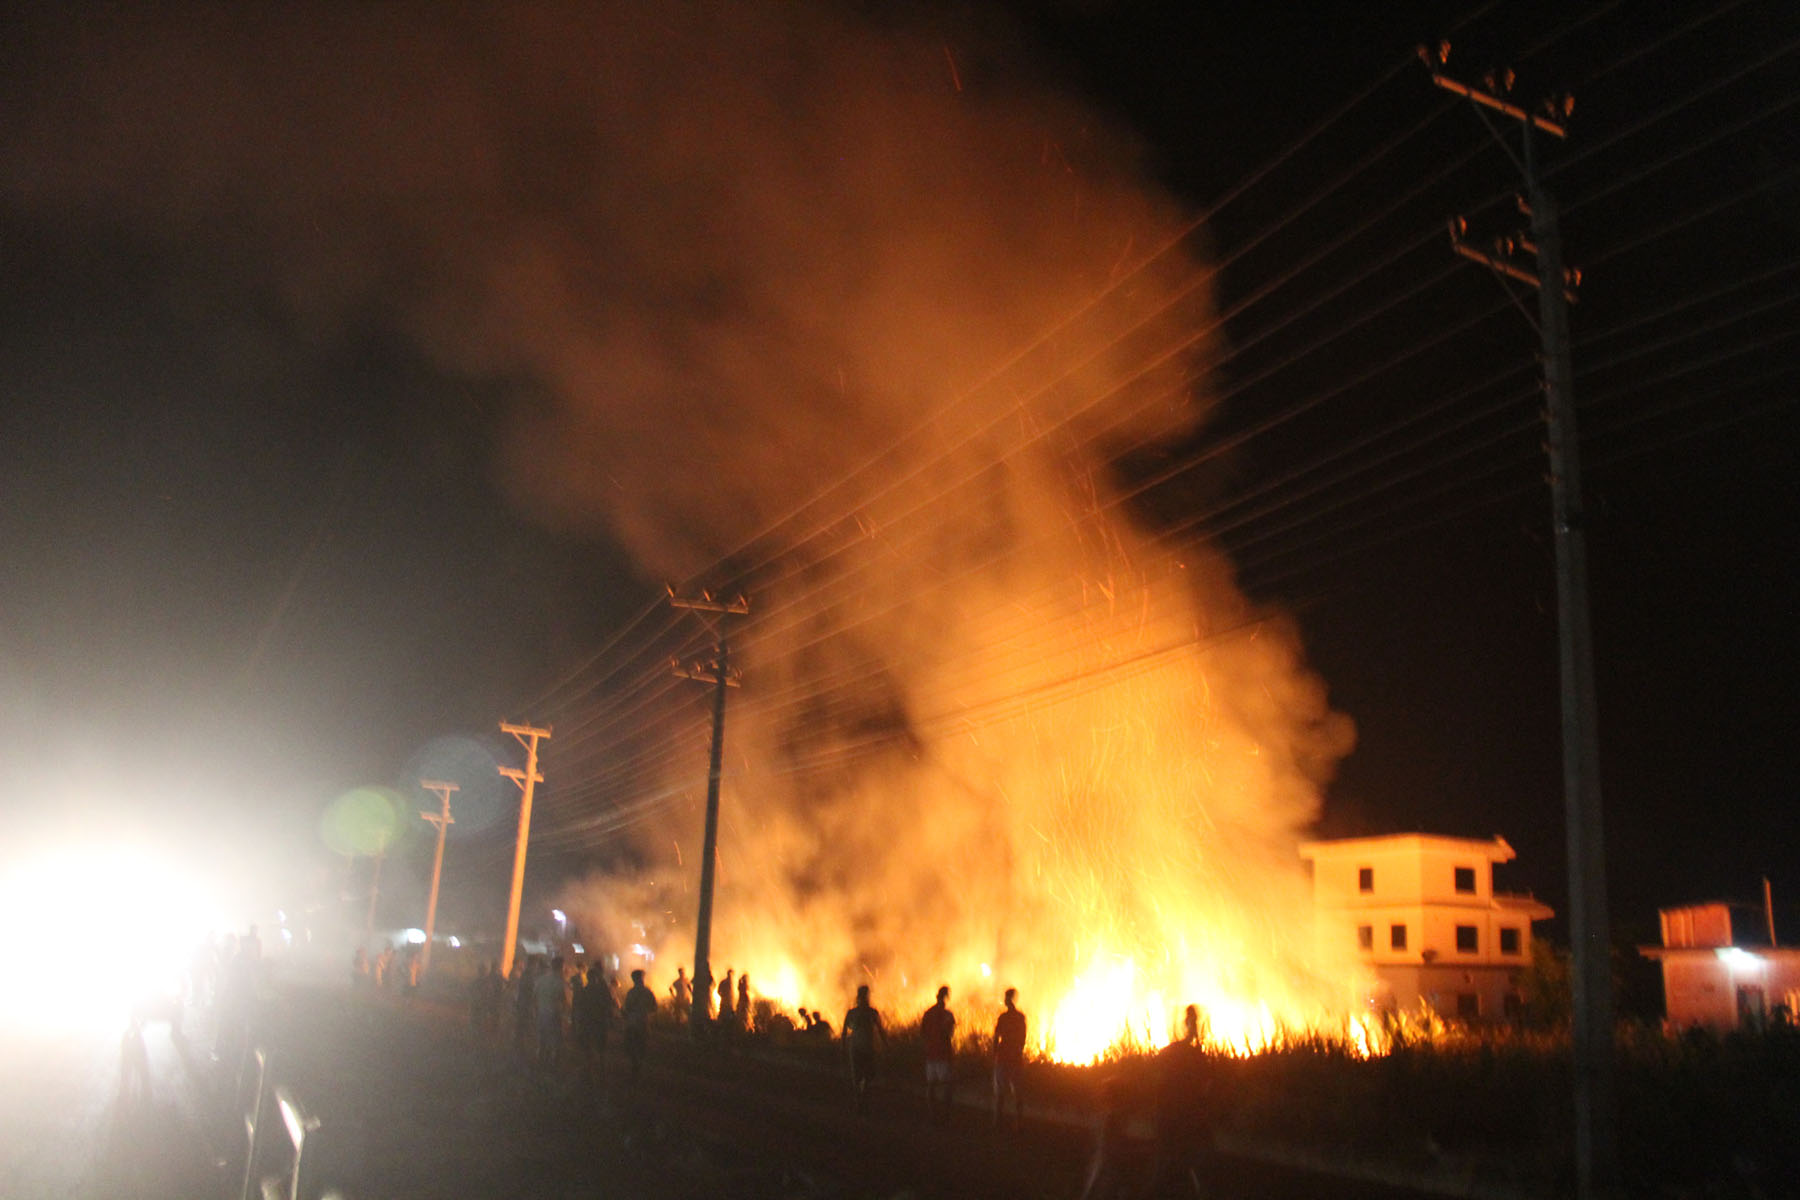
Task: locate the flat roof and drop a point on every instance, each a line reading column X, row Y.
column 1494, row 849
column 1730, row 952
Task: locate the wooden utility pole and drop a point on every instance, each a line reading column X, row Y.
column 374, row 891
column 443, row 820
column 720, row 675
column 1769, row 911
column 528, row 736
column 1596, row 1148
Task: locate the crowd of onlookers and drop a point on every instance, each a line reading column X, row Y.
column 560, row 1013
column 555, row 1012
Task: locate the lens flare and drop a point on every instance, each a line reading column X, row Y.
column 132, row 920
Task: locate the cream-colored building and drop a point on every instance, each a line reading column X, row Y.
column 1713, row 981
column 1423, row 913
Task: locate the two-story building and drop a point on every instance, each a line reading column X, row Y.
column 1716, row 980
column 1422, row 912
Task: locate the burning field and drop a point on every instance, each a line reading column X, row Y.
column 1093, row 793
column 855, row 311
column 999, row 725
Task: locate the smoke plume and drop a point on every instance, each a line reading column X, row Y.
column 865, row 308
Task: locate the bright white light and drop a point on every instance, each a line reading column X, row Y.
column 414, row 937
column 1737, row 957
column 561, row 917
column 455, row 942
column 144, row 917
column 987, row 972
column 578, row 948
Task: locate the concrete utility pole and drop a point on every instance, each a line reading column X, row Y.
column 528, row 736
column 720, row 675
column 1596, row 1144
column 443, row 820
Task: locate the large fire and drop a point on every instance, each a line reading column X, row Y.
column 1101, row 807
column 992, row 732
column 990, row 735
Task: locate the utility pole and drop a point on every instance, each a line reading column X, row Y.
column 1769, row 911
column 374, row 892
column 443, row 820
column 528, row 736
column 721, row 676
column 1596, row 1146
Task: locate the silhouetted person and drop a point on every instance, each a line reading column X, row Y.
column 862, row 1028
column 1190, row 1026
column 635, row 1010
column 524, row 979
column 937, row 1031
column 134, row 1067
column 478, row 998
column 551, row 997
column 1009, row 1059
column 236, row 993
column 1184, row 1110
column 493, row 1000
column 742, row 1013
column 725, row 994
column 592, row 1017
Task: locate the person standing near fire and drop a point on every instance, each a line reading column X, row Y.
column 1186, row 1095
column 550, row 995
column 862, row 1027
column 1009, row 1059
column 591, row 1015
column 937, row 1031
column 635, row 1011
column 727, row 989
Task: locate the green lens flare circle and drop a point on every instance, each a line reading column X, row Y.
column 363, row 821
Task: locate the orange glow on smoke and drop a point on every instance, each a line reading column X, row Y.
column 1120, row 846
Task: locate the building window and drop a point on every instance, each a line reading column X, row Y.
column 1397, row 937
column 1465, row 881
column 1365, row 937
column 1365, row 879
column 1468, row 1005
column 1509, row 940
column 1468, row 940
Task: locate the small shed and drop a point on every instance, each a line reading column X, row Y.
column 1715, row 977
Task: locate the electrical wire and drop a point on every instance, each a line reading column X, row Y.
column 1615, row 139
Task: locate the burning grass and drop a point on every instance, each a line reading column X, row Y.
column 1488, row 1109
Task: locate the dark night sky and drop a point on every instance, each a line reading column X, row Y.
column 251, row 561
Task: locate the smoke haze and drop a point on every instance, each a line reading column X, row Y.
column 720, row 258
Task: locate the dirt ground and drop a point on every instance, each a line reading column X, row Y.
column 411, row 1105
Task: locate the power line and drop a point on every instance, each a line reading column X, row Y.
column 1236, row 193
